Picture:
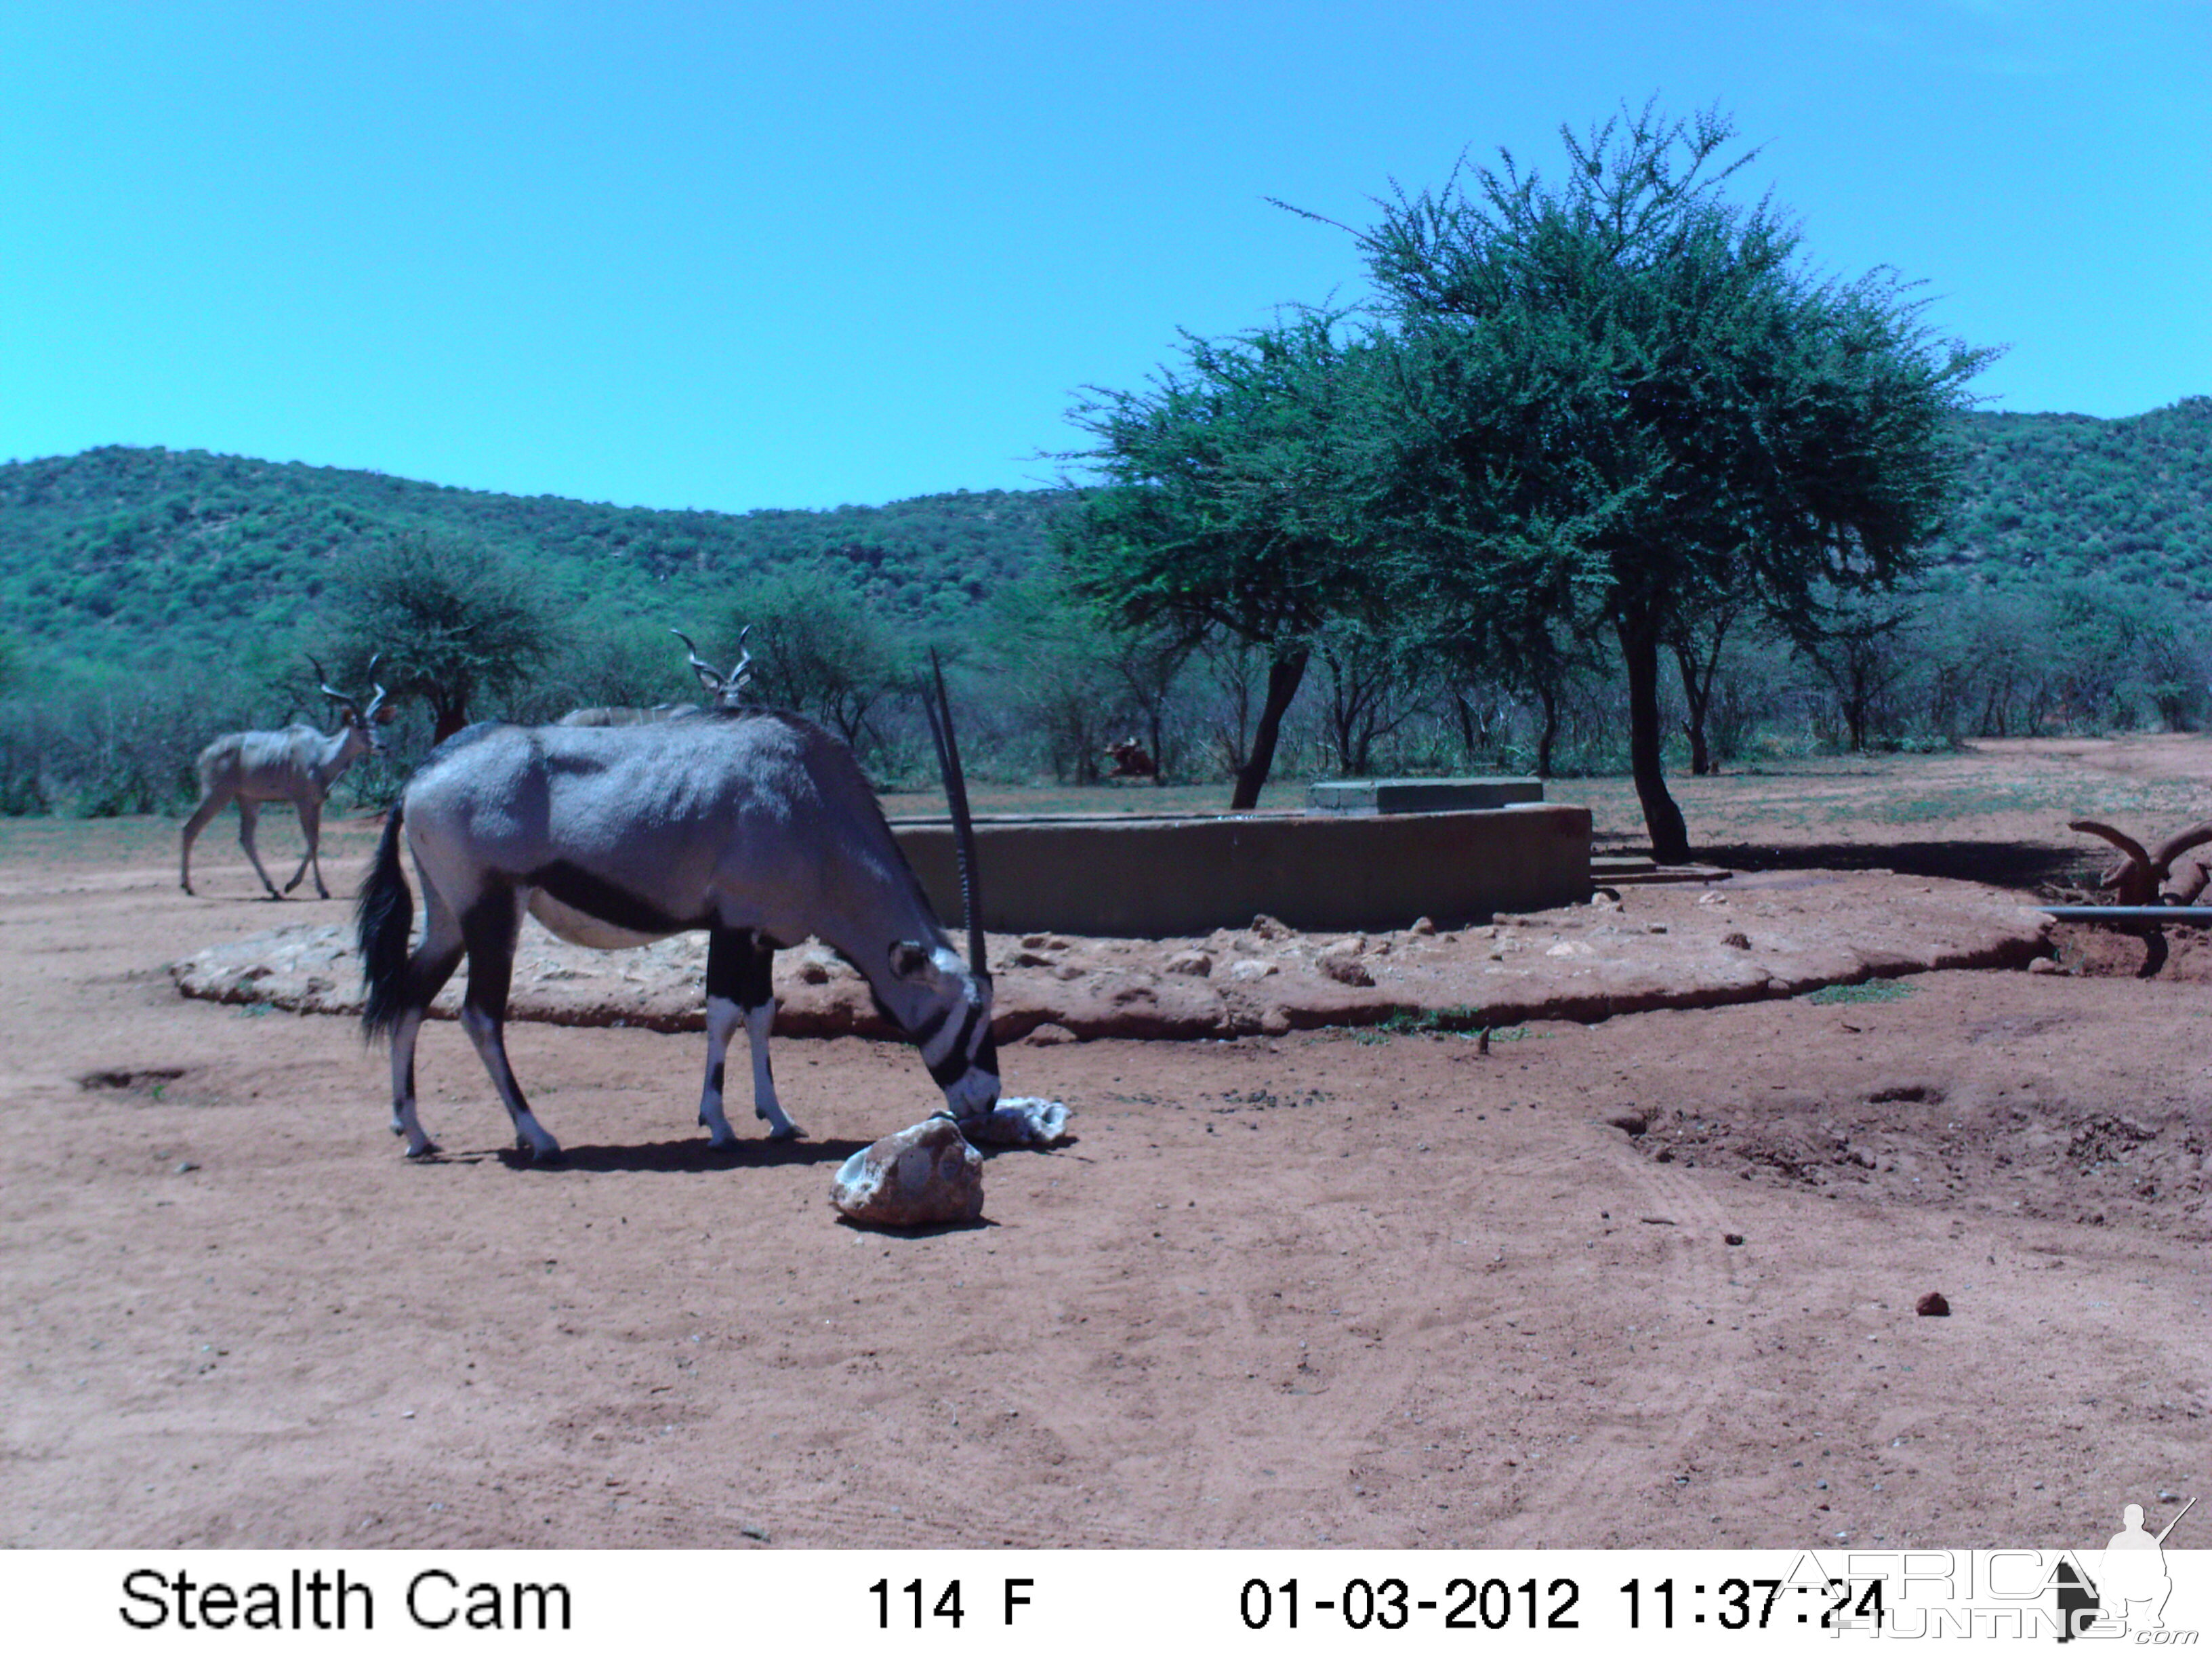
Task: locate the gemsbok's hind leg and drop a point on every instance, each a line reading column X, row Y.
column 488, row 929
column 248, row 811
column 740, row 988
column 211, row 803
column 427, row 970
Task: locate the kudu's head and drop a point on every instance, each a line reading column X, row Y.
column 727, row 690
column 364, row 726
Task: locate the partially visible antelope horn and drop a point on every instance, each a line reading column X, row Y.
column 2133, row 877
column 332, row 692
column 963, row 823
column 2174, row 847
column 376, row 701
column 708, row 676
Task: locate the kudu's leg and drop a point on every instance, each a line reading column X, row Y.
column 740, row 988
column 427, row 970
column 488, row 929
column 311, row 826
column 248, row 811
column 212, row 801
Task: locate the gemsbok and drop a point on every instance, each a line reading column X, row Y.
column 297, row 764
column 754, row 824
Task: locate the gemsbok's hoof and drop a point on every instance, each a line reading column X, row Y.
column 428, row 1149
column 788, row 1132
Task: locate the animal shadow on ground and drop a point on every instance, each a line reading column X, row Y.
column 686, row 1157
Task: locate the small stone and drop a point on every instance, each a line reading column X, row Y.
column 1712, row 899
column 1631, row 1119
column 1049, row 1035
column 1731, row 1238
column 918, row 1177
column 1029, row 959
column 1250, row 969
column 1736, row 941
column 2044, row 965
column 187, row 1168
column 1423, row 925
column 1933, row 1306
column 1341, row 963
column 1034, row 941
column 1196, row 963
column 1265, row 927
column 1276, row 1022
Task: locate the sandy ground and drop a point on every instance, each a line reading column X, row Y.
column 1649, row 1280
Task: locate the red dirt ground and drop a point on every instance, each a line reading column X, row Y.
column 1329, row 1287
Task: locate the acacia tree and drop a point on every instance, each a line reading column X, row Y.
column 450, row 623
column 820, row 650
column 1630, row 395
column 1232, row 503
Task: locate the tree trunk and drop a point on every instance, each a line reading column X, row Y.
column 1283, row 675
column 1639, row 654
column 1547, row 695
column 1697, row 697
column 452, row 715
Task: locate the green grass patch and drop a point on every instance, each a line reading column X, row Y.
column 1461, row 1021
column 1872, row 990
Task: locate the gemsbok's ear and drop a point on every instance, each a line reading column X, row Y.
column 908, row 959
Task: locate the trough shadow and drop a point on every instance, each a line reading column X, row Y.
column 2022, row 865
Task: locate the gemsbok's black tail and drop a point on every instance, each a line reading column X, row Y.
column 384, row 923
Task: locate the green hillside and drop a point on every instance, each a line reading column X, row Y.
column 2047, row 499
column 136, row 556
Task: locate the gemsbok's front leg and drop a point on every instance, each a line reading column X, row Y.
column 740, row 988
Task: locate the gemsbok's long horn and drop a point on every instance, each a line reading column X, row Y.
column 963, row 823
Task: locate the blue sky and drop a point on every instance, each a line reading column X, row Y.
column 740, row 256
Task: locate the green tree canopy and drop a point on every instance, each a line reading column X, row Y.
column 1623, row 400
column 819, row 648
column 1232, row 501
column 451, row 623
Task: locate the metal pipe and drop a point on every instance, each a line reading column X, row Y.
column 2181, row 915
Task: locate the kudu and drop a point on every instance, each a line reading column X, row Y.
column 297, row 764
column 736, row 681
column 753, row 825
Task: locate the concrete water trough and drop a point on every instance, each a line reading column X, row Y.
column 1182, row 876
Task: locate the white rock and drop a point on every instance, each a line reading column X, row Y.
column 918, row 1177
column 1021, row 1121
